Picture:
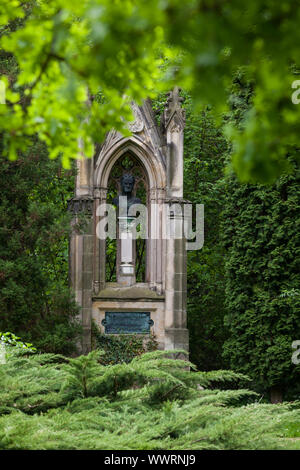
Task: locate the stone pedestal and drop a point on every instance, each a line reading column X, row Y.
column 177, row 338
column 138, row 298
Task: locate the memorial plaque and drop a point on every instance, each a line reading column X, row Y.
column 127, row 322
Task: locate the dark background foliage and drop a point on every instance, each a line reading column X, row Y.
column 260, row 236
column 35, row 301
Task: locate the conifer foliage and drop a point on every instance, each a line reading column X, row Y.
column 261, row 240
column 48, row 401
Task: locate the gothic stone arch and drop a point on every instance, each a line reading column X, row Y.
column 159, row 150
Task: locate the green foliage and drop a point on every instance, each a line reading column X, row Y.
column 50, row 402
column 121, row 348
column 31, row 384
column 260, row 233
column 205, row 149
column 292, row 430
column 260, row 236
column 10, row 340
column 73, row 51
column 35, row 302
column 81, row 375
column 86, row 377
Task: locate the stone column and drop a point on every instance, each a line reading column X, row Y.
column 81, row 248
column 156, row 242
column 126, row 268
column 176, row 333
column 81, row 264
column 100, row 195
column 153, row 238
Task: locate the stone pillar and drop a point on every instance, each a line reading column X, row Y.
column 126, row 268
column 153, row 239
column 176, row 333
column 81, row 264
column 176, row 289
column 100, row 195
column 81, row 248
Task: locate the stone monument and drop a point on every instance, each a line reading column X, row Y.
column 128, row 305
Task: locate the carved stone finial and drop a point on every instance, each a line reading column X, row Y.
column 174, row 115
column 138, row 124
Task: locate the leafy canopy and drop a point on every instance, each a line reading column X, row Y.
column 82, row 61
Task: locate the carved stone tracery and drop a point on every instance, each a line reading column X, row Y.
column 82, row 204
column 138, row 124
column 174, row 114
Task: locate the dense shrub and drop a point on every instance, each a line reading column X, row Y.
column 154, row 402
column 35, row 301
column 260, row 232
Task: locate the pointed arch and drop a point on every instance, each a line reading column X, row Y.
column 105, row 161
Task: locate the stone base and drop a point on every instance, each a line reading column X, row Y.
column 177, row 338
column 138, row 298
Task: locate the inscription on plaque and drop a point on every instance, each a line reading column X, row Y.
column 127, row 322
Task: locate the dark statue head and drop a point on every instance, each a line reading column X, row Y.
column 127, row 183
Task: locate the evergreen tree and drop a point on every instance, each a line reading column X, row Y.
column 154, row 402
column 261, row 242
column 205, row 148
column 204, row 151
column 35, row 301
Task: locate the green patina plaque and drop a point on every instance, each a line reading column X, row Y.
column 127, row 322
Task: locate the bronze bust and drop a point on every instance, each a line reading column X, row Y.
column 127, row 185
